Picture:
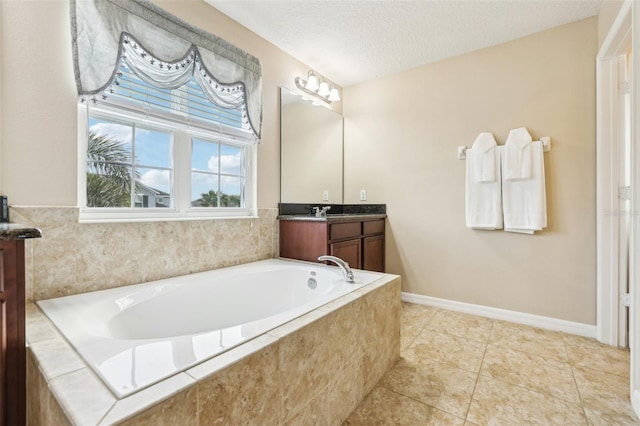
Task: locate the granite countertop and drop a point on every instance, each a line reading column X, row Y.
column 15, row 231
column 333, row 217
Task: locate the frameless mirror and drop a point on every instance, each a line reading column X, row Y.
column 310, row 151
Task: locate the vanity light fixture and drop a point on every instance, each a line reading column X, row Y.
column 318, row 87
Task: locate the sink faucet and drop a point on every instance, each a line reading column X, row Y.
column 322, row 212
column 346, row 270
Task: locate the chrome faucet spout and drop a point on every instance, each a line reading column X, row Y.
column 344, row 266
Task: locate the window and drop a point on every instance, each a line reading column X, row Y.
column 153, row 153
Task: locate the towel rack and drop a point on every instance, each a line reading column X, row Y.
column 546, row 147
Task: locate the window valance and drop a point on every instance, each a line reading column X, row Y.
column 106, row 32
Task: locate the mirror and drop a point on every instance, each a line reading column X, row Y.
column 311, row 153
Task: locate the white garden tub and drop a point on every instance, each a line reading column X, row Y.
column 137, row 335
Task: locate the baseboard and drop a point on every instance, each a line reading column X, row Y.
column 548, row 323
column 635, row 402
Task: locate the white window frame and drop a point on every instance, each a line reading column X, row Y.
column 181, row 194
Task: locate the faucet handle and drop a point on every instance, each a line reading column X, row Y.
column 321, row 212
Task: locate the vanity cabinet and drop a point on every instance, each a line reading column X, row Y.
column 12, row 333
column 358, row 241
column 13, row 351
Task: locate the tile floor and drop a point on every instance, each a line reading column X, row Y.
column 459, row 369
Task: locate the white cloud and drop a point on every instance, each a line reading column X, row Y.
column 121, row 132
column 158, row 179
column 227, row 162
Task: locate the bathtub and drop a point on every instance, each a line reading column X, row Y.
column 135, row 336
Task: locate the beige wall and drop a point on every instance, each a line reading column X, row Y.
column 401, row 134
column 608, row 12
column 38, row 104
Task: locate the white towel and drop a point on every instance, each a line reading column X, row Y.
column 484, row 159
column 516, row 161
column 483, row 200
column 524, row 200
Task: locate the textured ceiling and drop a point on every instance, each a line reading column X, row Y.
column 353, row 41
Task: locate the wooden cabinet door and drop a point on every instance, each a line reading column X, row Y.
column 3, row 345
column 349, row 251
column 373, row 253
column 15, row 366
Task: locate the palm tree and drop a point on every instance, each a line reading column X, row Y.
column 210, row 199
column 108, row 172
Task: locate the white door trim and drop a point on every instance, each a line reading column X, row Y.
column 634, row 260
column 607, row 176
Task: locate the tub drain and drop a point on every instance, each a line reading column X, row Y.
column 312, row 283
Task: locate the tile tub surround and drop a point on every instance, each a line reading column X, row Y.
column 74, row 257
column 464, row 369
column 313, row 370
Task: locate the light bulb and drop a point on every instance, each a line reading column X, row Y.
column 323, row 90
column 312, row 82
column 334, row 95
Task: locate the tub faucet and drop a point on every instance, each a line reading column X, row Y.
column 346, row 270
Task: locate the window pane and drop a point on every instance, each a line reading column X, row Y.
column 230, row 159
column 108, row 164
column 153, row 148
column 204, row 155
column 230, row 191
column 204, row 190
column 108, row 185
column 153, row 188
column 112, row 141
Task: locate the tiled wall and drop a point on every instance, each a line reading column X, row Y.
column 74, row 257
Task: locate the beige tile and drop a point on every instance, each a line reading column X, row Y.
column 236, row 238
column 202, row 245
column 316, row 412
column 381, row 333
column 549, row 344
column 604, row 395
column 498, row 403
column 610, row 418
column 345, row 336
column 384, row 407
column 468, row 326
column 38, row 326
column 54, row 260
column 408, row 333
column 180, row 409
column 447, row 349
column 303, row 359
column 346, row 391
column 417, row 315
column 531, row 371
column 146, row 402
column 109, row 255
column 55, row 357
column 245, row 393
column 42, row 407
column 83, row 396
column 589, row 353
column 438, row 385
column 161, row 260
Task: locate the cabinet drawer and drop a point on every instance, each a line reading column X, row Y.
column 373, row 227
column 340, row 231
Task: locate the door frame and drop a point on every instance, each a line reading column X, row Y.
column 626, row 24
column 607, row 176
column 634, row 260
